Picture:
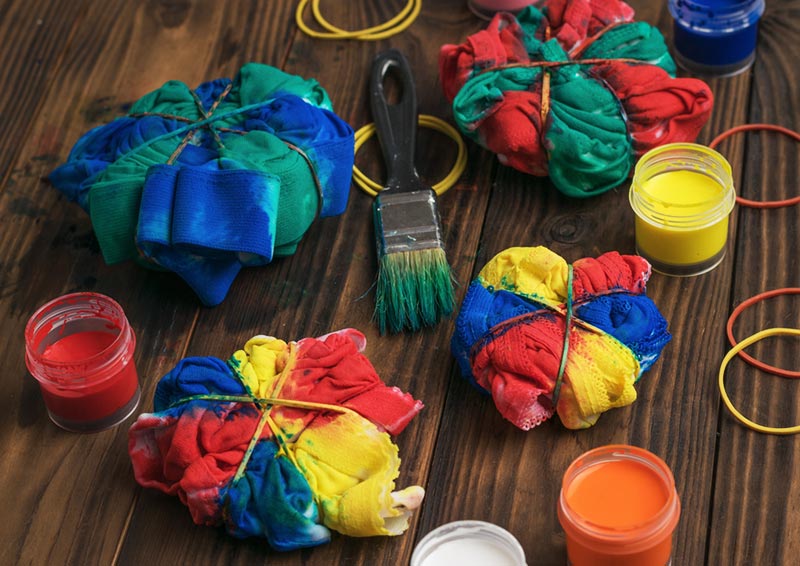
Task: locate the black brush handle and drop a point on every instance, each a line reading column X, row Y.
column 396, row 123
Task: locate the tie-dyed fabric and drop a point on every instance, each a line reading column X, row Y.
column 594, row 119
column 509, row 334
column 284, row 441
column 264, row 154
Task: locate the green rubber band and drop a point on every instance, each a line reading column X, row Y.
column 565, row 349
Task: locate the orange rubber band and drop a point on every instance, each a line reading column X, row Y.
column 747, row 357
column 759, row 127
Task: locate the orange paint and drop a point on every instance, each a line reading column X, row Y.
column 618, row 507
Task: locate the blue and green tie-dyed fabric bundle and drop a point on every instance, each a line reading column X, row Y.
column 205, row 182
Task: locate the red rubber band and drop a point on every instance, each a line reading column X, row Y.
column 758, row 127
column 747, row 357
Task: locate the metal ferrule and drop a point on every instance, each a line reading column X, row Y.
column 407, row 222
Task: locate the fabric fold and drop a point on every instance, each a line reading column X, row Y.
column 256, row 159
column 322, row 457
column 574, row 90
column 510, row 334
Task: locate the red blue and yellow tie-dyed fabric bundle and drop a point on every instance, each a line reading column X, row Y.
column 285, row 441
column 544, row 337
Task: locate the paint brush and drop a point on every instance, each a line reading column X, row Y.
column 415, row 286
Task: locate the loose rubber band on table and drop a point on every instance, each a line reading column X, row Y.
column 747, row 357
column 729, row 356
column 400, row 22
column 759, row 127
column 426, row 121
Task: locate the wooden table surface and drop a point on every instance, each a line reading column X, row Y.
column 69, row 65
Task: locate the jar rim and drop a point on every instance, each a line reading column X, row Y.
column 703, row 17
column 620, row 540
column 452, row 530
column 690, row 157
column 98, row 364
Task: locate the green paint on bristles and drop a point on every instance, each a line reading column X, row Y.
column 414, row 289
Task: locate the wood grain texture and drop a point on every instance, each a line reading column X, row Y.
column 72, row 499
column 754, row 518
column 34, row 36
column 67, row 496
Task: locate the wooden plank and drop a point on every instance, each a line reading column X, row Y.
column 486, row 469
column 754, row 515
column 35, row 36
column 319, row 290
column 68, row 497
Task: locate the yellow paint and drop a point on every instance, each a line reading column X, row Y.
column 680, row 227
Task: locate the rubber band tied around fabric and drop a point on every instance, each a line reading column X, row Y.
column 285, row 441
column 206, row 181
column 565, row 351
column 209, row 124
column 264, row 405
column 372, row 188
column 723, row 392
column 576, row 91
column 747, row 357
column 395, row 25
column 756, row 128
column 543, row 341
column 546, row 65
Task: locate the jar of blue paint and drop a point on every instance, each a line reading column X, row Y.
column 715, row 37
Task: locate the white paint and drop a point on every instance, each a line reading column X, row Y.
column 468, row 543
column 470, row 552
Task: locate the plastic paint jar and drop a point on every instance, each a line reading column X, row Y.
column 79, row 347
column 486, row 9
column 716, row 37
column 468, row 543
column 682, row 195
column 618, row 507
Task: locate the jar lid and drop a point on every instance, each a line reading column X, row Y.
column 468, row 543
column 716, row 16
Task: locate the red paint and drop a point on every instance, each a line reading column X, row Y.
column 80, row 349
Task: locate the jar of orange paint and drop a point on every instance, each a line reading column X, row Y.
column 618, row 507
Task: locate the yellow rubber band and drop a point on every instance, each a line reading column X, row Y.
column 400, row 22
column 372, row 188
column 729, row 356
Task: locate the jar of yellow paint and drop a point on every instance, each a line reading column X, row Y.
column 682, row 195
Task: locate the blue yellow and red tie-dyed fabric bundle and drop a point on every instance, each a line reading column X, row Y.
column 203, row 182
column 510, row 334
column 573, row 89
column 284, row 441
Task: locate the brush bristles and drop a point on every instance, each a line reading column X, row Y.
column 414, row 289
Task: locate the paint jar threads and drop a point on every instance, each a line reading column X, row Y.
column 618, row 507
column 79, row 347
column 715, row 37
column 468, row 543
column 486, row 9
column 682, row 195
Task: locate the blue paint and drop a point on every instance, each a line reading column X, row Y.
column 716, row 36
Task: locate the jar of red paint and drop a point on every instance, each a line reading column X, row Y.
column 79, row 347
